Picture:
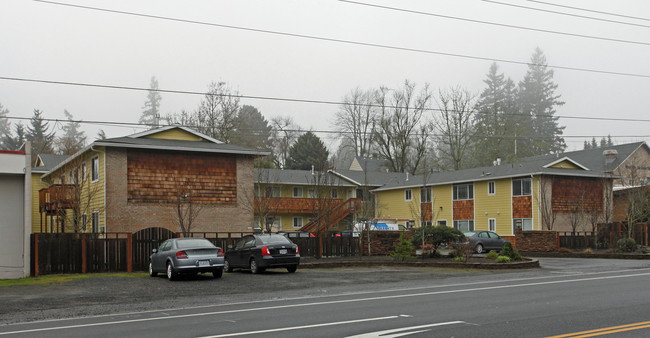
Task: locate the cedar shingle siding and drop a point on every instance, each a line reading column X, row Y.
column 159, row 177
column 464, row 209
column 570, row 193
column 522, row 207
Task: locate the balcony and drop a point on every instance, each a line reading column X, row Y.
column 56, row 197
column 290, row 205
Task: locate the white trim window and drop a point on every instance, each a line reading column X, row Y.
column 297, row 222
column 522, row 187
column 335, row 193
column 522, row 223
column 492, row 188
column 425, row 195
column 463, row 192
column 94, row 220
column 442, row 222
column 408, row 195
column 272, row 191
column 492, row 224
column 464, row 225
column 83, row 172
column 94, row 169
column 297, row 192
column 311, row 193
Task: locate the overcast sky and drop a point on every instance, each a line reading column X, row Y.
column 45, row 41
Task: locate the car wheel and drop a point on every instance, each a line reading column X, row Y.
column 254, row 268
column 171, row 274
column 226, row 266
column 292, row 268
column 217, row 273
column 151, row 272
column 479, row 248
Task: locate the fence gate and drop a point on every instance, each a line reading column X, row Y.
column 144, row 241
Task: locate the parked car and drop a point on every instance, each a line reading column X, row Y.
column 186, row 256
column 484, row 240
column 261, row 251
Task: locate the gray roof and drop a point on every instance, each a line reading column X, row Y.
column 370, row 164
column 368, row 178
column 180, row 145
column 295, row 177
column 591, row 159
column 49, row 162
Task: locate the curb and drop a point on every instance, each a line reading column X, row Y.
column 528, row 263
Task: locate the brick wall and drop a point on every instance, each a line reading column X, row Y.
column 129, row 215
column 381, row 242
column 537, row 241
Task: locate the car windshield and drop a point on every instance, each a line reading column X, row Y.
column 469, row 234
column 274, row 239
column 193, row 243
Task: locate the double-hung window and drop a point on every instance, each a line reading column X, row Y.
column 408, row 195
column 297, row 222
column 492, row 189
column 464, row 225
column 521, row 187
column 272, row 191
column 425, row 195
column 297, row 192
column 94, row 169
column 463, row 192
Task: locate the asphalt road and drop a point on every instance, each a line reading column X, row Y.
column 566, row 296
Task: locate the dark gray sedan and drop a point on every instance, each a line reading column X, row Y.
column 188, row 256
column 484, row 240
column 259, row 252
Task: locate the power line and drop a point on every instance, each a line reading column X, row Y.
column 567, row 14
column 496, row 23
column 350, row 42
column 590, row 10
column 338, row 103
column 324, row 131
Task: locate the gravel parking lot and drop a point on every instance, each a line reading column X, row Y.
column 104, row 294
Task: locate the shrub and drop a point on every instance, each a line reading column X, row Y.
column 626, row 245
column 492, row 255
column 404, row 249
column 459, row 259
column 588, row 251
column 503, row 259
column 564, row 250
column 510, row 252
column 437, row 235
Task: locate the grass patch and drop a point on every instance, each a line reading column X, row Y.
column 58, row 279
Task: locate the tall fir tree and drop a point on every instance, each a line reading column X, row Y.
column 5, row 126
column 497, row 120
column 73, row 138
column 151, row 113
column 38, row 133
column 307, row 151
column 14, row 142
column 537, row 99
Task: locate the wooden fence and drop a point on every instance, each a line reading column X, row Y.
column 605, row 238
column 56, row 253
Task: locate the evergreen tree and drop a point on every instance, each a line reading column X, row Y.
column 101, row 135
column 496, row 120
column 594, row 144
column 151, row 113
column 38, row 133
column 15, row 142
column 252, row 128
column 73, row 138
column 538, row 100
column 5, row 126
column 307, row 151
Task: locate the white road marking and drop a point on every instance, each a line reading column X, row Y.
column 560, row 274
column 403, row 331
column 327, row 303
column 301, row 327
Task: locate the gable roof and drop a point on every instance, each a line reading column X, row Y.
column 565, row 159
column 48, row 162
column 591, row 158
column 160, row 130
column 294, row 177
column 360, row 163
column 368, row 178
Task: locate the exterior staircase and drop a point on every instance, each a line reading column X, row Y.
column 331, row 217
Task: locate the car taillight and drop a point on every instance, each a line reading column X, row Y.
column 297, row 251
column 181, row 255
column 466, row 239
column 219, row 253
column 265, row 251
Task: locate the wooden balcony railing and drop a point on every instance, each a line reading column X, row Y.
column 57, row 196
column 289, row 205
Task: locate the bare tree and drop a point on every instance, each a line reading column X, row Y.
column 285, row 134
column 186, row 208
column 453, row 125
column 544, row 201
column 217, row 112
column 356, row 120
column 83, row 193
column 401, row 136
column 261, row 202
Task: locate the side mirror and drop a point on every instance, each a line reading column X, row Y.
column 155, row 250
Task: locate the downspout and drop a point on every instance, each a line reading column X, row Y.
column 105, row 209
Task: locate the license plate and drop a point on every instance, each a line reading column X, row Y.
column 204, row 263
column 283, row 251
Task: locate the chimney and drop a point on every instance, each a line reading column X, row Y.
column 610, row 157
column 407, row 176
column 312, row 169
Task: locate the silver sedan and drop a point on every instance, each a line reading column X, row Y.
column 188, row 256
